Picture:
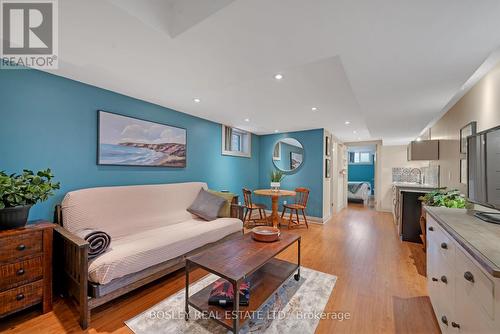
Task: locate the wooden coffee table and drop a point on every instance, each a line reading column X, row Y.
column 235, row 261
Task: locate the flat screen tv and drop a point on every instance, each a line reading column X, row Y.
column 483, row 162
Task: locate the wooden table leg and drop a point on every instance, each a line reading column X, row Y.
column 297, row 275
column 186, row 306
column 274, row 214
column 236, row 307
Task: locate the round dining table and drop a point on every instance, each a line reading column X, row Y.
column 275, row 195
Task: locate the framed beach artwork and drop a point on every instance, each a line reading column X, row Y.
column 295, row 160
column 128, row 141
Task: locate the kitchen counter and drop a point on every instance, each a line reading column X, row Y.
column 479, row 238
column 410, row 185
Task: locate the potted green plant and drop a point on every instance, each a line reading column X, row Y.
column 276, row 178
column 19, row 192
column 444, row 198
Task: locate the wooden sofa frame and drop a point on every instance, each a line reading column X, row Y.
column 71, row 268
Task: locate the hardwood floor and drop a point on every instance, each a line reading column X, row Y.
column 381, row 283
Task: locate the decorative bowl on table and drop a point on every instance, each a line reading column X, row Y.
column 265, row 233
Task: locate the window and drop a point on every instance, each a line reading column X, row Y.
column 360, row 158
column 364, row 157
column 277, row 152
column 236, row 142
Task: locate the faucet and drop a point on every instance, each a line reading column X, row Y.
column 419, row 174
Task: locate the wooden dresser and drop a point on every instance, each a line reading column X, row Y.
column 26, row 268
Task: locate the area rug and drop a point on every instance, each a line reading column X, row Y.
column 296, row 307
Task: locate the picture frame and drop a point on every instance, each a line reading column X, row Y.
column 129, row 141
column 327, row 168
column 466, row 131
column 327, row 146
column 295, row 160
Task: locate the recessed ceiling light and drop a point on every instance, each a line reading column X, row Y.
column 278, row 76
column 314, row 108
column 347, row 122
column 355, row 132
column 419, row 139
column 359, row 138
column 196, row 100
column 247, row 119
column 276, row 131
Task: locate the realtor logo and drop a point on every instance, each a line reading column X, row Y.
column 29, row 34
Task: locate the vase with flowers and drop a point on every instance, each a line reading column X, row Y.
column 276, row 178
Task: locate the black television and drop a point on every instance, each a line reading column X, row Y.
column 483, row 172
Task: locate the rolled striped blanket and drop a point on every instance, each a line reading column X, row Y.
column 98, row 241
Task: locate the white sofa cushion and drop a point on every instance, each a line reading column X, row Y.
column 141, row 250
column 126, row 210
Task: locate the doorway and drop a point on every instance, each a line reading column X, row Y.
column 362, row 173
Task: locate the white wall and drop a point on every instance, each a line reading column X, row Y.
column 390, row 157
column 480, row 104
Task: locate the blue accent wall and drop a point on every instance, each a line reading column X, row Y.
column 50, row 121
column 309, row 174
column 362, row 172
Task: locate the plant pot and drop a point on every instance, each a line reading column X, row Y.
column 14, row 217
column 275, row 186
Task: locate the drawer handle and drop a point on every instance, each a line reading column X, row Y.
column 20, row 296
column 434, row 279
column 455, row 325
column 444, row 320
column 20, row 272
column 21, row 247
column 444, row 245
column 444, row 279
column 431, row 228
column 469, row 277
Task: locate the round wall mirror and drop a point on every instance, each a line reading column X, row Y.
column 288, row 154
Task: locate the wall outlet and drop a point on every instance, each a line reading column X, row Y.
column 284, row 202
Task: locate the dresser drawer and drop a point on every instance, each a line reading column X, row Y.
column 15, row 247
column 19, row 273
column 440, row 242
column 475, row 285
column 21, row 297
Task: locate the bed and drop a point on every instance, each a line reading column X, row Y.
column 358, row 191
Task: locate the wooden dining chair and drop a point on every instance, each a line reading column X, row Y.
column 250, row 207
column 301, row 197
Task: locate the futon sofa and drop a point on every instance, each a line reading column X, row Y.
column 151, row 235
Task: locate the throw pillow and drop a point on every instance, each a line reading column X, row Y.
column 225, row 211
column 206, row 205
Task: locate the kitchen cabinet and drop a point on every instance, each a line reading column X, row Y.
column 462, row 293
column 423, row 150
column 406, row 208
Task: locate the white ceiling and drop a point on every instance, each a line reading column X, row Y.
column 291, row 141
column 387, row 66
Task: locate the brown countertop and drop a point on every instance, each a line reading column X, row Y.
column 479, row 238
